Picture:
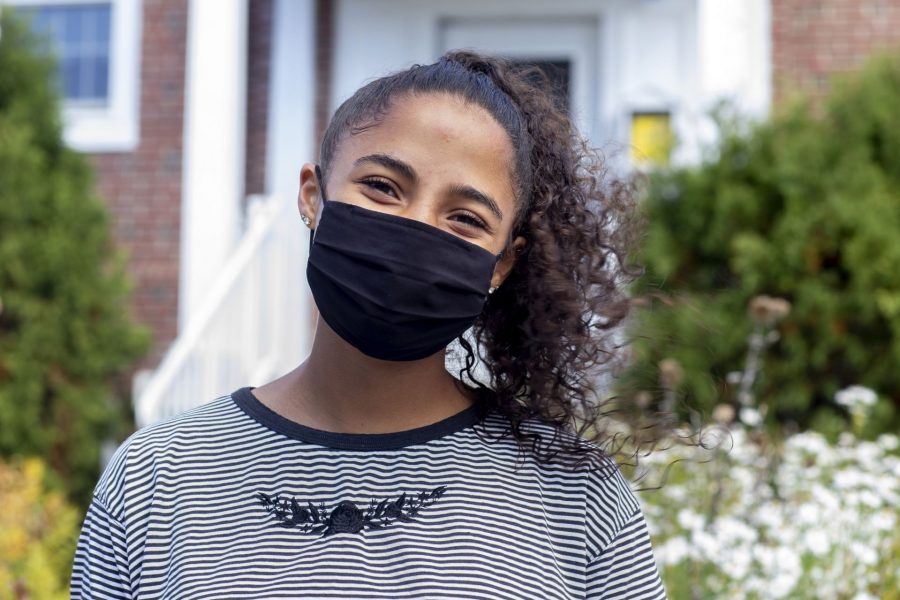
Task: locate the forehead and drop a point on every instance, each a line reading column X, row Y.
column 443, row 138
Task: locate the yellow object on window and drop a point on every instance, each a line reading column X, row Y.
column 651, row 138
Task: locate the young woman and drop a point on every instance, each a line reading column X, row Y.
column 448, row 196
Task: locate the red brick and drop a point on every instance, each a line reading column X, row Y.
column 258, row 66
column 143, row 188
column 814, row 38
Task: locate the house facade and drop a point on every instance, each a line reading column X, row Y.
column 197, row 115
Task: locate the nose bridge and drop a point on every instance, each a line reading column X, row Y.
column 422, row 208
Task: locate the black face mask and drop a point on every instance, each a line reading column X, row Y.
column 393, row 287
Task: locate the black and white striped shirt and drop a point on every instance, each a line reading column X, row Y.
column 232, row 500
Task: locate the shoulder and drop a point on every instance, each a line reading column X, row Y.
column 133, row 461
column 610, row 503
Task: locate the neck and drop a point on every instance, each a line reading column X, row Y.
column 340, row 389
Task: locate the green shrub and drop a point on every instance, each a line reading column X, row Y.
column 65, row 331
column 801, row 206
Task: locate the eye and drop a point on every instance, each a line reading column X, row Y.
column 381, row 185
column 471, row 220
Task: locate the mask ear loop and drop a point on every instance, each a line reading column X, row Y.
column 320, row 182
column 322, row 196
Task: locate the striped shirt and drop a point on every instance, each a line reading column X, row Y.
column 232, row 500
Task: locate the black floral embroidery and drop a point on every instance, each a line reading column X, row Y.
column 346, row 517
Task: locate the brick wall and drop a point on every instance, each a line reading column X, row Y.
column 813, row 39
column 143, row 188
column 258, row 59
column 324, row 56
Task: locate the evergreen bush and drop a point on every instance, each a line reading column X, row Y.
column 804, row 206
column 65, row 330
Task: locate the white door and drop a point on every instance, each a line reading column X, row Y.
column 564, row 48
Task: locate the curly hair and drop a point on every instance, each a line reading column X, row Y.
column 548, row 332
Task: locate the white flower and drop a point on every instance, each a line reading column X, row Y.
column 750, row 416
column 868, row 452
column 689, row 519
column 816, row 542
column 737, row 564
column 782, row 585
column 870, row 499
column 768, row 515
column 677, row 493
column 856, row 395
column 734, row 531
column 846, row 479
column 707, row 545
column 810, row 442
column 765, row 556
column 888, row 441
column 808, row 514
column 864, row 553
column 846, row 439
column 836, row 506
column 884, row 521
column 672, row 551
column 789, row 570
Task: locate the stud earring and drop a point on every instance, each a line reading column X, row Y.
column 305, row 219
column 491, row 289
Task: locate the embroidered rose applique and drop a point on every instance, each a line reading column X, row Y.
column 346, row 517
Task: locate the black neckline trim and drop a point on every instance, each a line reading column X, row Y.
column 267, row 417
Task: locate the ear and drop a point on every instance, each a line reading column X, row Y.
column 505, row 264
column 309, row 197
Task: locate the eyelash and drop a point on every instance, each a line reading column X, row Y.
column 470, row 218
column 373, row 183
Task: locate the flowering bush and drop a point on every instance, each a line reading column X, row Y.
column 38, row 533
column 750, row 518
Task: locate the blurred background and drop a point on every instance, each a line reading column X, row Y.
column 152, row 257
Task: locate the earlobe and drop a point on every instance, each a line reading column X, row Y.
column 308, row 196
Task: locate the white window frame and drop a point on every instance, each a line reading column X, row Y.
column 114, row 127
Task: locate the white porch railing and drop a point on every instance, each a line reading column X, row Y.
column 253, row 325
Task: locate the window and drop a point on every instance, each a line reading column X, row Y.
column 97, row 46
column 651, row 138
column 79, row 36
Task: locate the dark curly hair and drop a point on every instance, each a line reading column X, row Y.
column 548, row 332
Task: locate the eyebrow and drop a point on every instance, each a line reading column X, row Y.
column 405, row 169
